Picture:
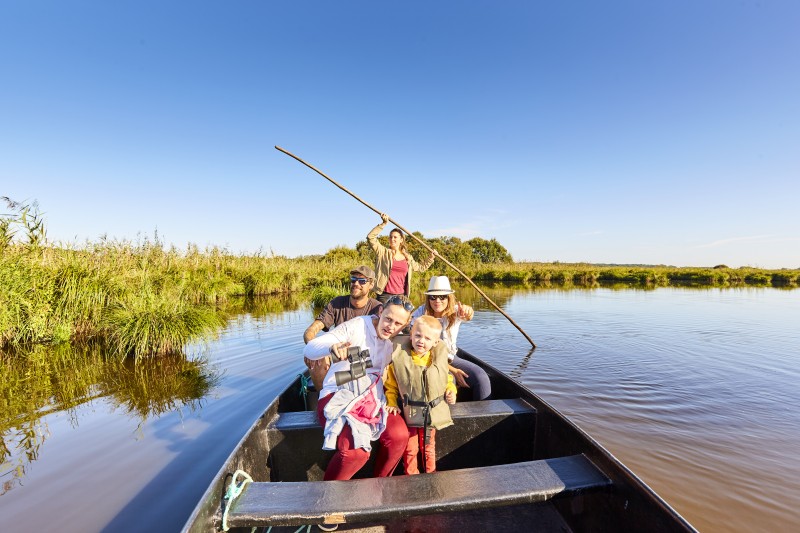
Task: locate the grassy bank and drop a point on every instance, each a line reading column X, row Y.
column 142, row 299
column 584, row 274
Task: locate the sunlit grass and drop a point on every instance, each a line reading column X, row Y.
column 154, row 324
column 584, row 274
column 322, row 294
column 144, row 298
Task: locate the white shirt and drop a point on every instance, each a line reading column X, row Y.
column 359, row 331
column 449, row 336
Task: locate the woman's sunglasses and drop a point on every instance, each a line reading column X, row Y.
column 360, row 281
column 396, row 300
column 437, row 297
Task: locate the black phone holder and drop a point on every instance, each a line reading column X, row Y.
column 359, row 363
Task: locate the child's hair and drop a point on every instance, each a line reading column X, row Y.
column 431, row 322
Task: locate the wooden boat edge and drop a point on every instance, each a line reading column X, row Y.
column 604, row 459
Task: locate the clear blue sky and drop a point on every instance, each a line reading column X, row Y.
column 616, row 131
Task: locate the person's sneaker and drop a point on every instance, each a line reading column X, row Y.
column 328, row 527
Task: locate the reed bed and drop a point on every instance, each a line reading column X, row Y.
column 585, row 274
column 142, row 299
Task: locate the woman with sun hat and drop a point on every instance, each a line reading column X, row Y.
column 440, row 303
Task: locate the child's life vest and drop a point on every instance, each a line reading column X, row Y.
column 413, row 379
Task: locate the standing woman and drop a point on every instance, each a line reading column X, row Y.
column 440, row 303
column 393, row 265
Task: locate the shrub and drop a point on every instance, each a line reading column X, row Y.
column 322, row 294
column 153, row 324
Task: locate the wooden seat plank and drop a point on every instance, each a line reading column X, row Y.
column 375, row 499
column 295, row 440
column 308, row 419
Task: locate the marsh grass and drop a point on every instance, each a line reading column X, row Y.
column 145, row 299
column 141, row 299
column 322, row 294
column 583, row 274
column 154, row 324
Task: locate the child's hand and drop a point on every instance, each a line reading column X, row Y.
column 450, row 397
column 395, row 410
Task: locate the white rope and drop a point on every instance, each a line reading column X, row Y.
column 234, row 490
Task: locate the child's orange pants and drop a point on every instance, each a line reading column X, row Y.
column 416, row 440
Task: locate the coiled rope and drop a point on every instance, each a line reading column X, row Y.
column 233, row 491
column 304, row 389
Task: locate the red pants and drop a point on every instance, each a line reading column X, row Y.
column 348, row 460
column 416, row 440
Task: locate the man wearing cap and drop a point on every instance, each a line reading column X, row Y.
column 341, row 309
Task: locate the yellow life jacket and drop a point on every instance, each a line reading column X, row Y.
column 410, row 378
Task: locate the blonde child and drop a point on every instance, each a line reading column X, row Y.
column 417, row 380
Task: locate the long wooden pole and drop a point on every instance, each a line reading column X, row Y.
column 420, row 241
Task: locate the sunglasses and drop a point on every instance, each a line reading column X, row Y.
column 438, row 296
column 360, row 281
column 396, row 300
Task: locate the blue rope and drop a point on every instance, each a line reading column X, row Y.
column 304, row 381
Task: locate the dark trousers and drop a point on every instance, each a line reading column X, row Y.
column 478, row 380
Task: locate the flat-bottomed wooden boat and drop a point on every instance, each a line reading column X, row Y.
column 512, row 463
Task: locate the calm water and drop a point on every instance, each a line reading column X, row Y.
column 694, row 390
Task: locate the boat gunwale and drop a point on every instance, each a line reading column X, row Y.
column 597, row 452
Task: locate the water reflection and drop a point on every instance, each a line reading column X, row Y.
column 518, row 371
column 264, row 307
column 44, row 380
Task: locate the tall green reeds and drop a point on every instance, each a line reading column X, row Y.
column 140, row 298
column 144, row 298
column 581, row 274
column 157, row 323
column 322, row 294
column 26, row 296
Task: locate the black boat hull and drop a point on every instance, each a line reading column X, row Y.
column 482, row 458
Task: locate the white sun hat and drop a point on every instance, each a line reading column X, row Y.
column 439, row 285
